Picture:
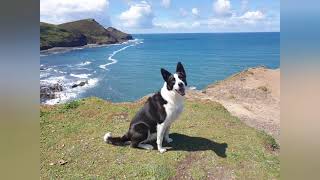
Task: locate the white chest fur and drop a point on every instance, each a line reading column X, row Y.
column 173, row 111
column 174, row 105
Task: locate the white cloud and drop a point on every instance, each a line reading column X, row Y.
column 166, row 3
column 196, row 24
column 252, row 16
column 195, row 11
column 250, row 21
column 67, row 6
column 222, row 7
column 178, row 25
column 172, row 25
column 139, row 15
column 57, row 11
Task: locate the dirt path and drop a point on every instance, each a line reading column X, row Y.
column 252, row 95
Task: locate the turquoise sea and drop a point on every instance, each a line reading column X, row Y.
column 128, row 71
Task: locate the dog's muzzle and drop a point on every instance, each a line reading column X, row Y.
column 181, row 90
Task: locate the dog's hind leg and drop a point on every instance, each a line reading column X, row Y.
column 145, row 146
column 139, row 134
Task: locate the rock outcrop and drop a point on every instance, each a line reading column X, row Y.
column 49, row 91
column 79, row 33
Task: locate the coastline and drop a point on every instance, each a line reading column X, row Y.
column 244, row 96
column 56, row 50
column 252, row 95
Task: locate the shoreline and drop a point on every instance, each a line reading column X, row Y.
column 56, row 50
column 189, row 89
column 252, row 95
column 64, row 88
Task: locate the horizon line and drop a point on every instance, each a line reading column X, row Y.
column 244, row 32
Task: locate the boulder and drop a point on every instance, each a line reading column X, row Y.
column 82, row 83
column 48, row 91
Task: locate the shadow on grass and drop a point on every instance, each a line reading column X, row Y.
column 187, row 143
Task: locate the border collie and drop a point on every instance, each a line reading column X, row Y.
column 153, row 120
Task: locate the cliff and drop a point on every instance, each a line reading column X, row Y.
column 79, row 33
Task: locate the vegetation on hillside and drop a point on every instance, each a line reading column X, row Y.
column 208, row 143
column 79, row 33
column 54, row 36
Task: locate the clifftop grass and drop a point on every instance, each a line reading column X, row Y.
column 208, row 143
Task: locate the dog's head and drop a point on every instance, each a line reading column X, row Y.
column 175, row 82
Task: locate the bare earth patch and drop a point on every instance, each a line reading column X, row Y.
column 252, row 95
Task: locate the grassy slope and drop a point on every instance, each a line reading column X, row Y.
column 94, row 31
column 52, row 36
column 74, row 132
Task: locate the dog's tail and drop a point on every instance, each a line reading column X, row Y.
column 119, row 141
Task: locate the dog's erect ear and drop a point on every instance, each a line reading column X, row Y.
column 165, row 74
column 180, row 69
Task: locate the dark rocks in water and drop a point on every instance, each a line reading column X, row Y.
column 49, row 91
column 79, row 33
column 80, row 84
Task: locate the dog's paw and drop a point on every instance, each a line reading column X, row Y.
column 162, row 150
column 169, row 140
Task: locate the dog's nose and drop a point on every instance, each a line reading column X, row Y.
column 180, row 85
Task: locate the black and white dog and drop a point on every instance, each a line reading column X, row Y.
column 153, row 120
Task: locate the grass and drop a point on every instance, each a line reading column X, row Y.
column 55, row 36
column 208, row 143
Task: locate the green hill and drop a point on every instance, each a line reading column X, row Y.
column 208, row 143
column 79, row 33
column 54, row 36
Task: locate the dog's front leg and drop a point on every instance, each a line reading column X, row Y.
column 166, row 135
column 160, row 134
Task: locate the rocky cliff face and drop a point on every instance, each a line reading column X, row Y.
column 120, row 36
column 79, row 33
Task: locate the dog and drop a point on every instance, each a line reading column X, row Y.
column 153, row 120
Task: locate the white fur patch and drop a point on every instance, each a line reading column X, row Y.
column 106, row 136
column 178, row 80
column 173, row 109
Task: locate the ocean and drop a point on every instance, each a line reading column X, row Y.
column 131, row 70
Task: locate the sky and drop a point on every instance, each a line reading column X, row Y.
column 168, row 16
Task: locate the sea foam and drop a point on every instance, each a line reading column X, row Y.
column 81, row 76
column 85, row 63
column 113, row 61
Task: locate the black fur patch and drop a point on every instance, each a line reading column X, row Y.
column 181, row 73
column 168, row 78
column 145, row 121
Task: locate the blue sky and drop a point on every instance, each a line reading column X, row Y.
column 169, row 16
